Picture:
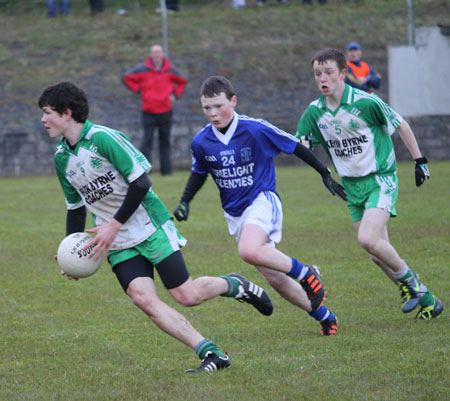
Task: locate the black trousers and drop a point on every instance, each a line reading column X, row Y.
column 96, row 6
column 163, row 122
column 173, row 5
column 310, row 1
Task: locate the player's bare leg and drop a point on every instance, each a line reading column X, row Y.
column 252, row 249
column 383, row 266
column 404, row 293
column 194, row 292
column 372, row 235
column 142, row 291
column 275, row 265
column 289, row 289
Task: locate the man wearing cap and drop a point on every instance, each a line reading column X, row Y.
column 359, row 74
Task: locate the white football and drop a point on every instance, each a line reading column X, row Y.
column 73, row 259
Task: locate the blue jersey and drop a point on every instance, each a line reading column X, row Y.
column 241, row 160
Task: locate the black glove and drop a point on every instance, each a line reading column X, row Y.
column 333, row 186
column 182, row 211
column 421, row 170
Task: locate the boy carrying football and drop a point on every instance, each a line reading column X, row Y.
column 100, row 170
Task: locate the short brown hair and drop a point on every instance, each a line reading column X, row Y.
column 331, row 54
column 215, row 85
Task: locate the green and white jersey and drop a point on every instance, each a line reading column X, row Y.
column 97, row 174
column 357, row 135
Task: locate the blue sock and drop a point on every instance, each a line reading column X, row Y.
column 297, row 269
column 321, row 314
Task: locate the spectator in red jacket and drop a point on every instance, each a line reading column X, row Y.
column 160, row 84
column 359, row 74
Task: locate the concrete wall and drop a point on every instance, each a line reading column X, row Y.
column 24, row 153
column 419, row 75
column 419, row 85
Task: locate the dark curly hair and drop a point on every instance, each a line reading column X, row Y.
column 63, row 96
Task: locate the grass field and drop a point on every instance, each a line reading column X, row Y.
column 65, row 340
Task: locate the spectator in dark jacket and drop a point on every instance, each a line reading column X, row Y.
column 96, row 6
column 159, row 84
column 173, row 5
column 359, row 74
column 309, row 2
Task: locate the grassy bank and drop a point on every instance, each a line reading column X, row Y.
column 264, row 50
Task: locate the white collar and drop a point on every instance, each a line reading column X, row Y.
column 226, row 138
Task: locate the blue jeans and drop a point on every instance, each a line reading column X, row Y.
column 63, row 7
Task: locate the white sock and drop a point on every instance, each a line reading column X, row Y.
column 403, row 272
column 305, row 269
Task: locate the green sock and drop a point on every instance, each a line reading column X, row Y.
column 406, row 276
column 233, row 286
column 207, row 345
column 427, row 299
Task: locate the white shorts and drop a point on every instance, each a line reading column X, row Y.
column 265, row 211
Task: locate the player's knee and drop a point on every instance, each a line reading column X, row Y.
column 186, row 298
column 188, row 301
column 367, row 242
column 249, row 255
column 143, row 301
column 276, row 279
